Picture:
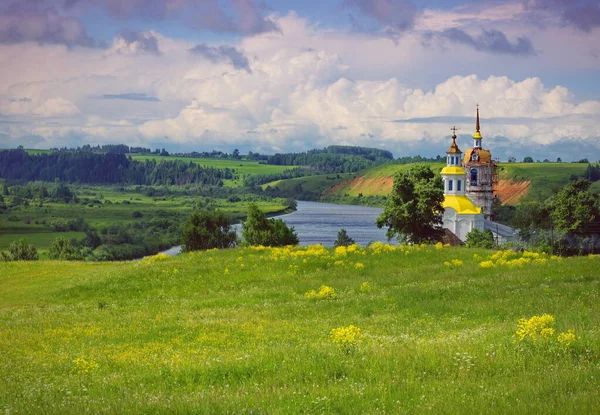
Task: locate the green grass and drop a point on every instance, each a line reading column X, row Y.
column 232, row 332
column 243, row 167
column 372, row 181
column 316, row 183
column 546, row 178
column 123, row 203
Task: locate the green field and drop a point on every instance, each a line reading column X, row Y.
column 546, row 178
column 233, row 331
column 243, row 167
column 316, row 183
column 113, row 205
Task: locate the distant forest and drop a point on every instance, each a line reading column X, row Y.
column 105, row 168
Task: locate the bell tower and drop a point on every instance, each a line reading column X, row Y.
column 481, row 170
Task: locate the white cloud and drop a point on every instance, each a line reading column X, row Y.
column 304, row 87
column 56, row 107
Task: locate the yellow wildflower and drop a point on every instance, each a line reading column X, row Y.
column 348, row 338
column 324, row 292
column 567, row 339
column 535, row 327
column 365, row 287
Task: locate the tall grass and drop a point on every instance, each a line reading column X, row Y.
column 233, row 332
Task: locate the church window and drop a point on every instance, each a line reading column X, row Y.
column 450, row 185
column 458, row 185
column 473, row 177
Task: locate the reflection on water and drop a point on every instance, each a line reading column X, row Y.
column 319, row 223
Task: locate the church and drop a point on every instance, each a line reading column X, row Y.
column 469, row 186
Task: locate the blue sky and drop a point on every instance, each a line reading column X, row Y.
column 268, row 76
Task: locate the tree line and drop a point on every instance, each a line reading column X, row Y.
column 106, row 168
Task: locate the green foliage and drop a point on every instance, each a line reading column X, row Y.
column 480, row 239
column 208, row 229
column 258, row 230
column 528, row 159
column 20, row 251
column 343, row 239
column 530, row 217
column 180, row 335
column 413, row 209
column 89, row 167
column 62, row 249
column 575, row 209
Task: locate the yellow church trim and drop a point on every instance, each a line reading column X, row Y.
column 461, row 204
column 452, row 170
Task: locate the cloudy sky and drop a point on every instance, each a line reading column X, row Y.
column 289, row 75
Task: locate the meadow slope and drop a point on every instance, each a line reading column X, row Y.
column 518, row 182
column 234, row 331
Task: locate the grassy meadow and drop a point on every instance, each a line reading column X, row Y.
column 243, row 167
column 303, row 330
column 111, row 205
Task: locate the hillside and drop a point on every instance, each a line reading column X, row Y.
column 377, row 330
column 518, row 182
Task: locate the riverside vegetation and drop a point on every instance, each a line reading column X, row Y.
column 383, row 329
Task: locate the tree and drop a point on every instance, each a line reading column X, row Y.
column 531, row 217
column 258, row 230
column 575, row 209
column 512, row 160
column 61, row 248
column 20, row 251
column 343, row 239
column 208, row 229
column 414, row 209
column 236, row 154
column 558, row 160
column 528, row 159
column 480, row 239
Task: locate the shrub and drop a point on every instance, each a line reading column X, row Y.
column 258, row 230
column 61, row 248
column 21, row 251
column 343, row 239
column 480, row 239
column 207, row 230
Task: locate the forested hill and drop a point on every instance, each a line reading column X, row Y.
column 334, row 159
column 105, row 168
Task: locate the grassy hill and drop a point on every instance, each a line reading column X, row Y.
column 115, row 205
column 234, row 331
column 518, row 182
column 242, row 166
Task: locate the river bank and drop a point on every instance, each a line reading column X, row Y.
column 319, row 223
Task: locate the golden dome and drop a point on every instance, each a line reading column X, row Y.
column 461, row 204
column 477, row 135
column 452, row 170
column 483, row 156
column 453, row 147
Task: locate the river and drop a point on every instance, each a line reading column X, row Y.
column 319, row 223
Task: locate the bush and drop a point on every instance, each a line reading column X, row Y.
column 480, row 239
column 61, row 248
column 343, row 239
column 207, row 230
column 258, row 230
column 20, row 251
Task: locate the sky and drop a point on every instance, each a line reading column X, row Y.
column 273, row 76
